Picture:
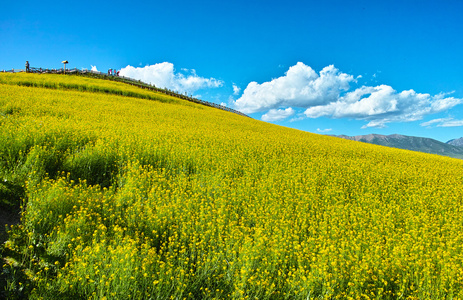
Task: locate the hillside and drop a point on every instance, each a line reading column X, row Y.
column 413, row 143
column 139, row 195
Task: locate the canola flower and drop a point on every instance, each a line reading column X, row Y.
column 138, row 198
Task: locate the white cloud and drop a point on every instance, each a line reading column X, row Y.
column 297, row 119
column 94, row 69
column 443, row 122
column 277, row 114
column 452, row 123
column 163, row 75
column 236, row 89
column 324, row 130
column 300, row 87
column 429, row 123
column 329, row 94
column 223, row 104
column 382, row 104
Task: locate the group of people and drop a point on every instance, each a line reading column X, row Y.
column 113, row 72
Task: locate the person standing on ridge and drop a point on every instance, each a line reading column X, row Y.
column 27, row 66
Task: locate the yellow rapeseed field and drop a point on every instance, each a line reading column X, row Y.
column 130, row 194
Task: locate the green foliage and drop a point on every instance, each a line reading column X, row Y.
column 131, row 199
column 81, row 85
column 95, row 165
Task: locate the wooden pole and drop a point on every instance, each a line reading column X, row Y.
column 64, row 62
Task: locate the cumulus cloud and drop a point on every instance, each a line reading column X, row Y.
column 382, row 104
column 94, row 69
column 329, row 94
column 324, row 130
column 277, row 114
column 236, row 89
column 300, row 87
column 443, row 122
column 163, row 75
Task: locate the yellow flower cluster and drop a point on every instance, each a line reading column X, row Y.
column 129, row 198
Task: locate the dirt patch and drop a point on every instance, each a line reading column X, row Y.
column 8, row 217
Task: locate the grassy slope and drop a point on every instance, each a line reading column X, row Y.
column 210, row 204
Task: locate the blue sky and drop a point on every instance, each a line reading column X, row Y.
column 335, row 67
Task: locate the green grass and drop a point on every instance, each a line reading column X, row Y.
column 82, row 84
column 126, row 198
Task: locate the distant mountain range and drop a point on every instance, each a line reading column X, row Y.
column 453, row 148
column 456, row 142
